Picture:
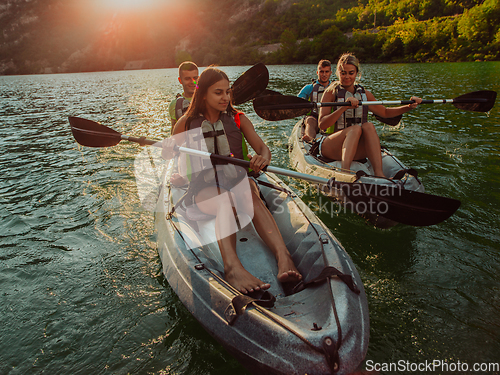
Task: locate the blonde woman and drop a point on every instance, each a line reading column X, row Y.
column 349, row 134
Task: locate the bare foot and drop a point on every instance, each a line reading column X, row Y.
column 287, row 271
column 243, row 280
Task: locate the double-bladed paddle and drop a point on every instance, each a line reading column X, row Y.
column 283, row 107
column 393, row 121
column 394, row 203
column 250, row 84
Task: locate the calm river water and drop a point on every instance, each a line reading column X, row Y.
column 81, row 290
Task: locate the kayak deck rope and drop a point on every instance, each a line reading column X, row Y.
column 326, row 273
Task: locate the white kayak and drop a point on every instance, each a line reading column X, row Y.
column 397, row 174
column 319, row 327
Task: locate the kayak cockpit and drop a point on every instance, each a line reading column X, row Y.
column 319, row 328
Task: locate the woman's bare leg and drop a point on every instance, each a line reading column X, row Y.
column 355, row 142
column 342, row 145
column 350, row 145
column 268, row 230
column 371, row 142
column 311, row 129
column 225, row 229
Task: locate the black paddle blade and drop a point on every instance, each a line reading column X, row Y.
column 477, row 101
column 267, row 92
column 92, row 134
column 392, row 121
column 401, row 205
column 250, row 84
column 281, row 107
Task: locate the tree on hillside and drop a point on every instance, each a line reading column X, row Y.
column 479, row 27
column 330, row 44
column 288, row 46
column 71, row 35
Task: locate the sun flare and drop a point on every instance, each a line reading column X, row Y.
column 130, row 5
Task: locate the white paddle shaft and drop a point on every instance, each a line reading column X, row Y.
column 386, row 102
column 281, row 171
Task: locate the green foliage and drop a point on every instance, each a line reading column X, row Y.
column 68, row 35
column 288, row 45
column 366, row 45
column 480, row 24
column 330, row 44
column 470, row 36
column 182, row 56
column 348, row 19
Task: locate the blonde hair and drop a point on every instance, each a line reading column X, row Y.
column 346, row 58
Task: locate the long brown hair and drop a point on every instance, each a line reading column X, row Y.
column 207, row 78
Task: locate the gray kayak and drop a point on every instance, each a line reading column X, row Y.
column 320, row 326
column 397, row 174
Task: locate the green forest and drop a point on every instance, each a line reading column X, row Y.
column 398, row 31
column 380, row 30
column 50, row 36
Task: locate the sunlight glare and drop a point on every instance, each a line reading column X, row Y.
column 129, row 5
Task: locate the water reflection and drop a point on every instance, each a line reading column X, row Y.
column 80, row 271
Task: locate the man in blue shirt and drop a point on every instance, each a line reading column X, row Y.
column 313, row 93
